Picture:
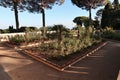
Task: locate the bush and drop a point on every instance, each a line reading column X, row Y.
column 109, row 33
column 5, row 31
column 23, row 29
column 28, row 37
column 17, row 39
column 69, row 45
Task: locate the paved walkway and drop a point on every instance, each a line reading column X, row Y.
column 103, row 65
column 118, row 76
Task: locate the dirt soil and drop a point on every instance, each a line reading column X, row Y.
column 102, row 65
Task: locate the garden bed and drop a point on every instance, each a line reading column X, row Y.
column 60, row 50
column 62, row 61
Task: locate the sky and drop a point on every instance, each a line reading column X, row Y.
column 63, row 14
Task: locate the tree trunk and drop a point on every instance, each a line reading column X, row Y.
column 90, row 17
column 16, row 15
column 90, row 21
column 78, row 36
column 43, row 19
column 60, row 35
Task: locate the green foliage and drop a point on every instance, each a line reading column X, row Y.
column 69, row 45
column 36, row 6
column 109, row 33
column 56, row 48
column 5, row 31
column 54, row 32
column 97, row 34
column 106, row 19
column 81, row 32
column 96, row 24
column 23, row 29
column 82, row 20
column 88, row 5
column 17, row 39
column 30, row 36
column 111, row 16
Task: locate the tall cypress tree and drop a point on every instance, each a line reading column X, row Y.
column 106, row 16
column 111, row 15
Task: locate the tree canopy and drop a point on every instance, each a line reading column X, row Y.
column 81, row 20
column 88, row 5
column 111, row 16
column 38, row 6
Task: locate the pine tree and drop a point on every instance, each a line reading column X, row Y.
column 89, row 5
column 107, row 16
column 38, row 6
column 15, row 5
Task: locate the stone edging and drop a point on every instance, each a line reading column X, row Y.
column 54, row 66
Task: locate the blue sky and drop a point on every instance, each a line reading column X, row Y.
column 63, row 14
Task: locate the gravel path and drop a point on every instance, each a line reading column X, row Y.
column 102, row 65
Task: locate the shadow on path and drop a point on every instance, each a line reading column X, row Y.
column 11, row 57
column 4, row 75
column 102, row 65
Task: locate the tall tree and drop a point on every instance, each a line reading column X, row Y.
column 14, row 5
column 39, row 6
column 107, row 16
column 88, row 5
column 81, row 20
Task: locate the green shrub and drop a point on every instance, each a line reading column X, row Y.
column 110, row 34
column 70, row 44
column 5, row 31
column 28, row 37
column 17, row 39
column 32, row 36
